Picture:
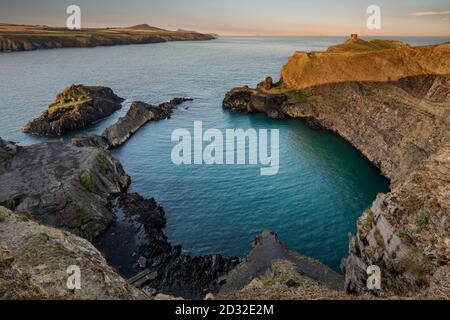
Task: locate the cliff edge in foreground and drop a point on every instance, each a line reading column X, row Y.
column 386, row 103
column 34, row 260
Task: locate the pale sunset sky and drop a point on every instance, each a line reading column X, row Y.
column 243, row 17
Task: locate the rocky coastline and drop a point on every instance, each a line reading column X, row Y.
column 24, row 38
column 65, row 204
column 401, row 126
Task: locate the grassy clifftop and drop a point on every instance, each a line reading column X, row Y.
column 23, row 37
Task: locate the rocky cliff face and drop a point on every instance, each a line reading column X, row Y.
column 62, row 185
column 366, row 62
column 75, row 108
column 34, row 259
column 403, row 127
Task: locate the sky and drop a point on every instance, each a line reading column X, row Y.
column 243, row 17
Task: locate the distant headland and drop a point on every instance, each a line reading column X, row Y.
column 28, row 37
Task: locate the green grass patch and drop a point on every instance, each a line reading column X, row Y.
column 4, row 156
column 362, row 45
column 87, row 180
column 298, row 96
column 102, row 163
column 24, row 215
column 81, row 217
column 68, row 199
column 423, row 219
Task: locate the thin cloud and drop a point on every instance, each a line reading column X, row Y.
column 431, row 13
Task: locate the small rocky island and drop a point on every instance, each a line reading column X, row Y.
column 75, row 108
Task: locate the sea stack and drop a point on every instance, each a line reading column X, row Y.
column 75, row 108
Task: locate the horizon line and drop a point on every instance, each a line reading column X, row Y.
column 230, row 34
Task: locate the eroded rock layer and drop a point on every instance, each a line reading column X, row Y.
column 63, row 186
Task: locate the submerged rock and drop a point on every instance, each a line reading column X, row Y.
column 75, row 108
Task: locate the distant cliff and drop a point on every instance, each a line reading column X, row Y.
column 24, row 38
column 359, row 60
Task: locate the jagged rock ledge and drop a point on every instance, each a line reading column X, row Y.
column 75, row 108
column 266, row 249
column 139, row 114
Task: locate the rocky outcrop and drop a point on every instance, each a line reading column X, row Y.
column 139, row 114
column 63, row 186
column 75, row 108
column 283, row 281
column 267, row 249
column 7, row 151
column 34, row 260
column 252, row 100
column 24, row 38
column 401, row 126
column 362, row 61
column 135, row 243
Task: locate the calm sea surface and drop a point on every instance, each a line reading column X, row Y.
column 322, row 186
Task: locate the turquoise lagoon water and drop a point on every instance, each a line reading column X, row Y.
column 322, row 186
